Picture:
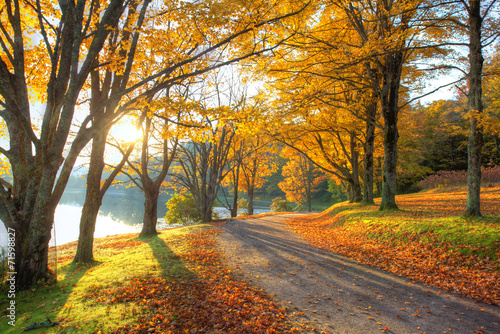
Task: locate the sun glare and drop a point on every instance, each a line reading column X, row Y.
column 125, row 132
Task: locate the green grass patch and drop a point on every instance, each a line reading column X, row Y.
column 479, row 236
column 118, row 260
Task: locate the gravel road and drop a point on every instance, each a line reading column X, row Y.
column 330, row 293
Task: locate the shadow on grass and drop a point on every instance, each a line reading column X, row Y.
column 43, row 300
column 170, row 264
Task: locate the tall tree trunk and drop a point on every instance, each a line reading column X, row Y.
column 93, row 199
column 475, row 142
column 309, row 200
column 379, row 173
column 390, row 100
column 368, row 158
column 234, row 208
column 251, row 195
column 355, row 186
column 251, row 185
column 150, row 218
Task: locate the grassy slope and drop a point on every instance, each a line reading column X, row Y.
column 169, row 283
column 427, row 240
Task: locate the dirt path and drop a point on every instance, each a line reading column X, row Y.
column 329, row 292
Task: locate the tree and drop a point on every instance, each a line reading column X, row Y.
column 256, row 166
column 158, row 150
column 331, row 140
column 476, row 18
column 106, row 81
column 202, row 167
column 96, row 189
column 55, row 69
column 301, row 179
column 39, row 157
column 254, row 151
column 371, row 49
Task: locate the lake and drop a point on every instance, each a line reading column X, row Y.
column 121, row 212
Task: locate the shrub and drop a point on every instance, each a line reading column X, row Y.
column 280, row 205
column 300, row 208
column 444, row 178
column 489, row 175
column 182, row 209
column 242, row 207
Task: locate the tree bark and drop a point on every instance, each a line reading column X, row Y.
column 234, row 208
column 150, row 218
column 207, row 213
column 355, row 185
column 250, row 200
column 390, row 108
column 354, row 192
column 475, row 142
column 368, row 158
column 93, row 199
column 31, row 251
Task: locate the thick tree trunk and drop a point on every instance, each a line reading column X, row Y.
column 389, row 169
column 390, row 100
column 150, row 211
column 475, row 142
column 93, row 200
column 31, row 252
column 349, row 192
column 234, row 208
column 368, row 158
column 207, row 214
column 354, row 189
column 84, row 251
column 251, row 196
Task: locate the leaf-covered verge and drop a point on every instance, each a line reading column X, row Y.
column 428, row 240
column 173, row 283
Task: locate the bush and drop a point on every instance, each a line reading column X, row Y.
column 444, row 178
column 489, row 176
column 182, row 210
column 280, row 205
column 242, row 207
column 300, row 208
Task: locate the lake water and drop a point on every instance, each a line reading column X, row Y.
column 120, row 213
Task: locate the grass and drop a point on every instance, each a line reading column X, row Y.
column 428, row 239
column 118, row 260
column 175, row 282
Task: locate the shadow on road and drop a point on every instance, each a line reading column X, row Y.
column 334, row 293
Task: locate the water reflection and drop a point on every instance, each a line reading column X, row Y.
column 127, row 207
column 67, row 225
column 121, row 212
